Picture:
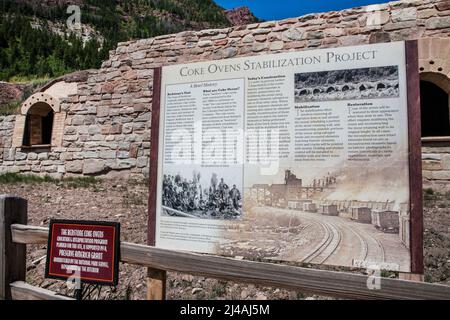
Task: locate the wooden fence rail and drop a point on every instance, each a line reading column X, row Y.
column 332, row 283
column 23, row 291
column 15, row 235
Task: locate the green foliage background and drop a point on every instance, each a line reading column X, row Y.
column 27, row 52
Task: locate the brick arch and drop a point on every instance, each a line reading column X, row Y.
column 38, row 100
column 434, row 61
column 40, row 97
column 439, row 79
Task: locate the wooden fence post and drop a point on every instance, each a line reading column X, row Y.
column 156, row 284
column 12, row 256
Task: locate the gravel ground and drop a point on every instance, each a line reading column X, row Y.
column 127, row 203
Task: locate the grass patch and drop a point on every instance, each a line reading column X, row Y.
column 80, row 182
column 9, row 108
column 219, row 289
column 431, row 197
column 72, row 182
column 429, row 194
column 29, row 79
column 15, row 178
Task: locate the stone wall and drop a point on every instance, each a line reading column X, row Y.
column 107, row 128
column 6, row 132
column 436, row 165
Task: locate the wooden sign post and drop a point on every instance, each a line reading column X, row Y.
column 156, row 279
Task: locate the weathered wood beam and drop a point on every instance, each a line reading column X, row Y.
column 25, row 234
column 24, row 291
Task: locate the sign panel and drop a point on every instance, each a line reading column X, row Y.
column 298, row 156
column 84, row 249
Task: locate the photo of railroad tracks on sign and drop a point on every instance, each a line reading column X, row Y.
column 334, row 216
column 363, row 83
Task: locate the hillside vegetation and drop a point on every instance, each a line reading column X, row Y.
column 35, row 41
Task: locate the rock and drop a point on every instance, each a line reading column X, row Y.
column 404, row 14
column 379, row 37
column 377, row 18
column 261, row 296
column 313, row 35
column 443, row 5
column 123, row 164
column 138, row 55
column 94, row 129
column 244, row 294
column 432, row 165
column 334, row 32
column 228, row 52
column 221, row 42
column 187, row 277
column 21, row 156
column 89, row 155
column 32, row 156
column 116, row 129
column 43, row 156
column 142, row 162
column 92, row 166
column 400, row 25
column 269, row 24
column 446, row 162
column 260, row 31
column 431, row 156
column 440, row 175
column 248, row 39
column 205, row 43
column 425, row 14
column 102, row 111
column 196, row 290
column 277, row 45
column 353, row 40
column 438, row 23
column 257, row 47
column 208, row 32
column 109, row 154
column 77, row 120
column 288, row 21
column 74, row 166
column 292, row 34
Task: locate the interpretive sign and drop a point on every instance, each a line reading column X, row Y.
column 308, row 156
column 84, row 250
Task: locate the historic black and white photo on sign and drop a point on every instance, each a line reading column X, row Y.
column 212, row 196
column 348, row 84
